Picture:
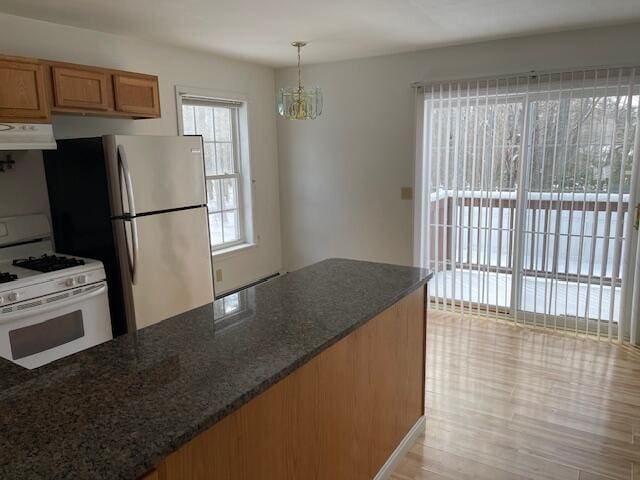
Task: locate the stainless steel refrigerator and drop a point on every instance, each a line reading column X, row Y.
column 138, row 203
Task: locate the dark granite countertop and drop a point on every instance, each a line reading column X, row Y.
column 116, row 410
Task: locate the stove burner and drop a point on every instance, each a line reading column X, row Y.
column 48, row 263
column 6, row 277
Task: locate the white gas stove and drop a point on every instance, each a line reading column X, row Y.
column 51, row 305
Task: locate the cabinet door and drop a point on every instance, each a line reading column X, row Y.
column 136, row 94
column 80, row 88
column 23, row 95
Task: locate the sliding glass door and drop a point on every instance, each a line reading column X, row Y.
column 529, row 185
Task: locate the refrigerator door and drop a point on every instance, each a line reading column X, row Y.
column 152, row 173
column 170, row 270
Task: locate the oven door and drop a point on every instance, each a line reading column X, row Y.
column 38, row 331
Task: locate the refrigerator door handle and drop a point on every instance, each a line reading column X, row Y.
column 124, row 171
column 133, row 253
column 134, row 250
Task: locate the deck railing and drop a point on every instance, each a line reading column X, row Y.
column 476, row 230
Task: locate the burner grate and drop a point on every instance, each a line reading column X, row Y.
column 48, row 263
column 6, row 277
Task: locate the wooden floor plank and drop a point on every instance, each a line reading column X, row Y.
column 507, row 402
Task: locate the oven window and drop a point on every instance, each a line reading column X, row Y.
column 46, row 335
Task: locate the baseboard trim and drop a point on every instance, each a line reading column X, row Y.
column 402, row 448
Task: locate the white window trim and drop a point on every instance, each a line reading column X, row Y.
column 238, row 175
column 247, row 222
column 232, row 251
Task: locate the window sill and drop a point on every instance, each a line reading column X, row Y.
column 232, row 251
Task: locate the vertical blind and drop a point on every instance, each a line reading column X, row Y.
column 529, row 189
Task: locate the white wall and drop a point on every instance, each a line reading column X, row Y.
column 340, row 175
column 22, row 189
column 20, row 36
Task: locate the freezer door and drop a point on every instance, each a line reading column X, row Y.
column 154, row 173
column 167, row 270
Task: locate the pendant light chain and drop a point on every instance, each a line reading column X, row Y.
column 299, row 74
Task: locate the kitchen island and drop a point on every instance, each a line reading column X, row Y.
column 315, row 374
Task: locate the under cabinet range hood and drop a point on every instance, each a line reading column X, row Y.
column 27, row 136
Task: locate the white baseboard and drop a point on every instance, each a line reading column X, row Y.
column 402, row 448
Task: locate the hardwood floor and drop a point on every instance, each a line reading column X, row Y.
column 504, row 402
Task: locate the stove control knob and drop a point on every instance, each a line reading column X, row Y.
column 81, row 279
column 69, row 282
column 13, row 296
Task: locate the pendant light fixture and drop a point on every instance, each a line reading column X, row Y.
column 298, row 103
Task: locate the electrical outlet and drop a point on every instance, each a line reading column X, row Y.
column 219, row 275
column 406, row 193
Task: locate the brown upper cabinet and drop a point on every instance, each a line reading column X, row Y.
column 101, row 91
column 23, row 95
column 136, row 94
column 76, row 87
column 31, row 89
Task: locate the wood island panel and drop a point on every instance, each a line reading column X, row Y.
column 340, row 416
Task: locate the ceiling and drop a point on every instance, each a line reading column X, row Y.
column 261, row 30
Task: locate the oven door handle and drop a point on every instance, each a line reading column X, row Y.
column 10, row 317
